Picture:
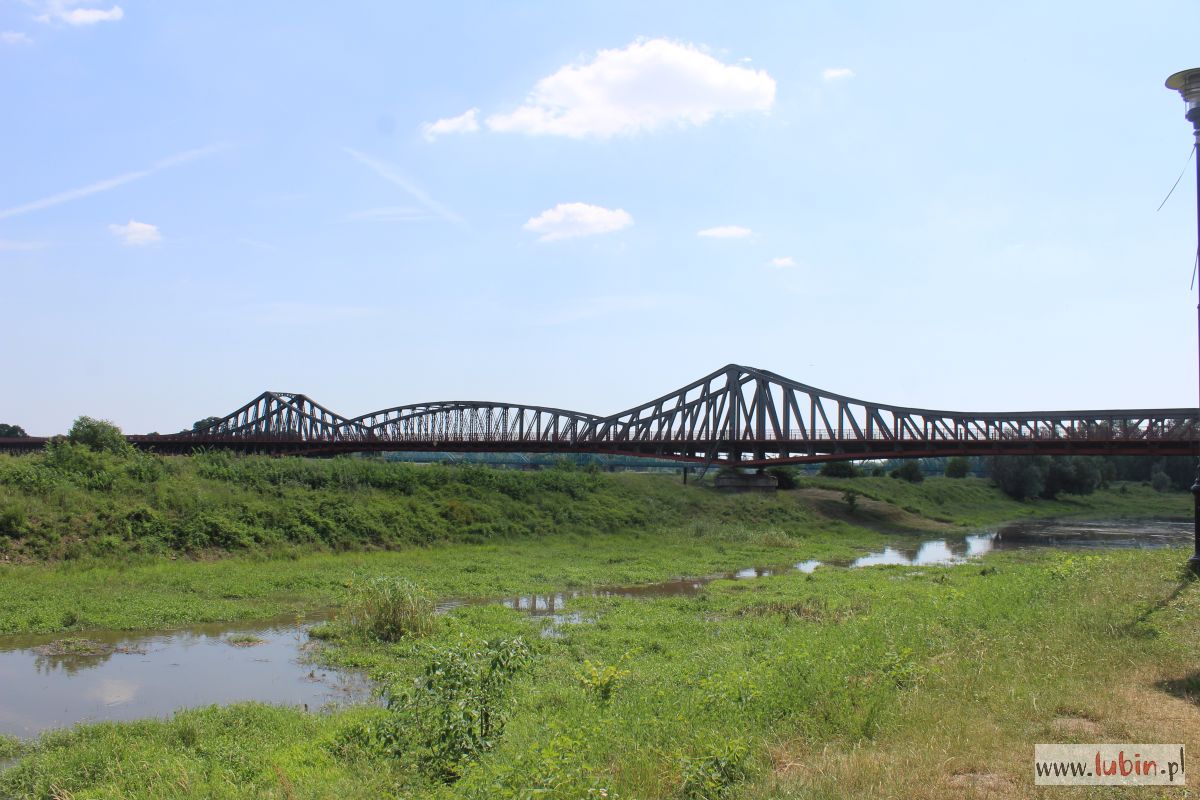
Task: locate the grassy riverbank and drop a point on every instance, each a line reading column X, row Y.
column 882, row 682
column 97, row 541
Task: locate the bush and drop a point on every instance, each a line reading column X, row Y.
column 456, row 710
column 839, row 469
column 602, row 680
column 99, row 435
column 12, row 520
column 714, row 774
column 785, row 477
column 851, row 498
column 958, row 467
column 389, row 609
column 909, row 471
column 1161, row 481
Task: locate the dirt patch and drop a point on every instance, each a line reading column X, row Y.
column 1071, row 725
column 982, row 784
column 874, row 515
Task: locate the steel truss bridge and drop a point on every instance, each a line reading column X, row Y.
column 735, row 416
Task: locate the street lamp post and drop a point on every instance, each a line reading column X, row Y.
column 1187, row 83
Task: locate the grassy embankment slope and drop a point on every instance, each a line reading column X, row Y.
column 93, row 540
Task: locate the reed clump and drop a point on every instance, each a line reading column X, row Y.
column 389, row 608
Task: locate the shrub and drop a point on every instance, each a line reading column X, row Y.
column 388, row 609
column 1161, row 481
column 12, row 520
column 839, row 469
column 456, row 710
column 99, row 435
column 909, row 471
column 851, row 498
column 958, row 467
column 785, row 477
column 602, row 680
column 714, row 774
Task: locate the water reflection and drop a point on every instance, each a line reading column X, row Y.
column 136, row 676
column 902, row 552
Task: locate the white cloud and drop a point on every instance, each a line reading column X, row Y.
column 15, row 37
column 568, row 220
column 465, row 122
column 782, row 261
column 642, row 87
column 136, row 233
column 725, row 232
column 110, row 183
column 393, row 176
column 837, row 73
column 73, row 12
column 90, row 16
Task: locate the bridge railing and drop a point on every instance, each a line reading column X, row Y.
column 966, row 434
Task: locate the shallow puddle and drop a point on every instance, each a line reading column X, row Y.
column 54, row 681
column 905, row 551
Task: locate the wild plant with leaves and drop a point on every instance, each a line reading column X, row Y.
column 456, row 709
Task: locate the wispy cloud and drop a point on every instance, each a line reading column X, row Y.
column 15, row 37
column 836, row 73
column 602, row 306
column 725, row 232
column 110, row 183
column 463, row 123
column 78, row 14
column 11, row 246
column 569, row 220
column 395, row 177
column 782, row 262
column 388, row 214
column 136, row 234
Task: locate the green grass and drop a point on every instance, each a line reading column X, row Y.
column 891, row 681
column 948, row 670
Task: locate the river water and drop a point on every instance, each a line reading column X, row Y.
column 46, row 682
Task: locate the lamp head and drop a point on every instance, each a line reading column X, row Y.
column 1187, row 83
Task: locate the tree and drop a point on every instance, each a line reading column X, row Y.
column 207, row 422
column 839, row 469
column 785, row 477
column 1019, row 477
column 1161, row 481
column 1041, row 476
column 909, row 471
column 99, row 435
column 957, row 467
column 12, row 431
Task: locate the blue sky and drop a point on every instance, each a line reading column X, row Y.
column 931, row 204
